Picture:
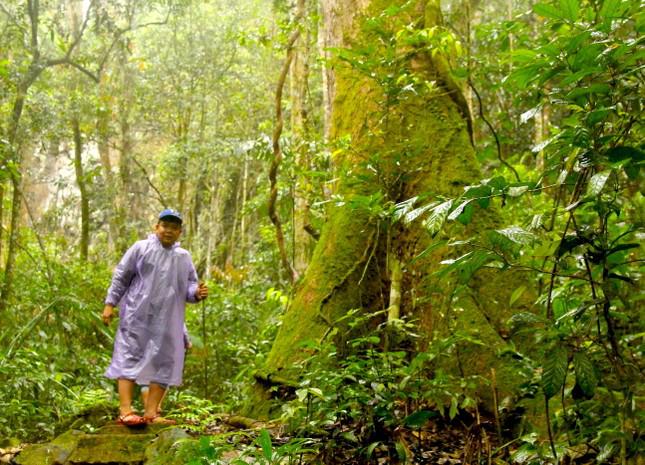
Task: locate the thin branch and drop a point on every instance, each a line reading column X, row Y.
column 492, row 130
column 66, row 61
column 160, row 196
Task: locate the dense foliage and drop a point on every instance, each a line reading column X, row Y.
column 555, row 90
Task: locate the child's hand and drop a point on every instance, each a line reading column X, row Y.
column 107, row 315
column 202, row 291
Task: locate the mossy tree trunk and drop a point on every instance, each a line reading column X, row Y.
column 402, row 129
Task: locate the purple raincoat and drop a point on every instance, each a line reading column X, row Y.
column 151, row 285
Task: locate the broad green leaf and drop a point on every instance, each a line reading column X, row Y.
column 522, row 55
column 597, row 182
column 585, row 373
column 547, row 11
column 570, row 9
column 554, row 371
column 610, row 9
column 517, row 234
column 620, row 153
column 517, row 293
column 457, row 211
column 466, row 265
column 419, row 418
column 417, row 212
column 480, row 193
column 523, row 76
column 467, row 215
column 592, row 89
column 525, row 453
column 438, row 216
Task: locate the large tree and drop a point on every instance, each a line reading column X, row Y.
column 401, row 129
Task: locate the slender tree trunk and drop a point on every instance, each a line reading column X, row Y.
column 82, row 188
column 245, row 189
column 302, row 243
column 103, row 117
column 12, row 154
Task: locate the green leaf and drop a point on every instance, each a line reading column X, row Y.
column 370, row 449
column 517, row 293
column 610, row 9
column 480, row 193
column 592, row 89
column 585, row 373
column 466, row 265
column 554, row 371
column 547, row 11
column 438, row 217
column 417, row 212
column 570, row 9
column 525, row 453
column 453, row 408
column 597, row 182
column 621, row 153
column 264, row 439
column 457, row 211
column 467, row 215
column 621, row 247
column 419, row 418
column 401, row 451
column 517, row 234
column 523, row 56
column 429, row 249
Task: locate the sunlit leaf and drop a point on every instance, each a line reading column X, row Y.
column 438, row 216
column 517, row 234
column 597, row 183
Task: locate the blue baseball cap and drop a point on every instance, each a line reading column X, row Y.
column 170, row 214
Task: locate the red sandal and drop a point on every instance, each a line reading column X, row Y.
column 131, row 419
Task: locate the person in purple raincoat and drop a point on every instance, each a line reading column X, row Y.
column 151, row 285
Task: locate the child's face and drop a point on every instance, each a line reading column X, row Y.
column 167, row 232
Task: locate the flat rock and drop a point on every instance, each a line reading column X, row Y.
column 110, row 445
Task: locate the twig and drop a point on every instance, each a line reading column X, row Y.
column 492, row 130
column 160, row 196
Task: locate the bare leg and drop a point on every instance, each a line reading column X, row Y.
column 126, row 391
column 144, row 398
column 155, row 395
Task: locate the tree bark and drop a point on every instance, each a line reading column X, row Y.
column 82, row 188
column 302, row 242
column 417, row 144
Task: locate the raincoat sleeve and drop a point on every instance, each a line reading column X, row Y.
column 122, row 276
column 192, row 284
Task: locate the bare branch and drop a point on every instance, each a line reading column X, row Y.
column 160, row 196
